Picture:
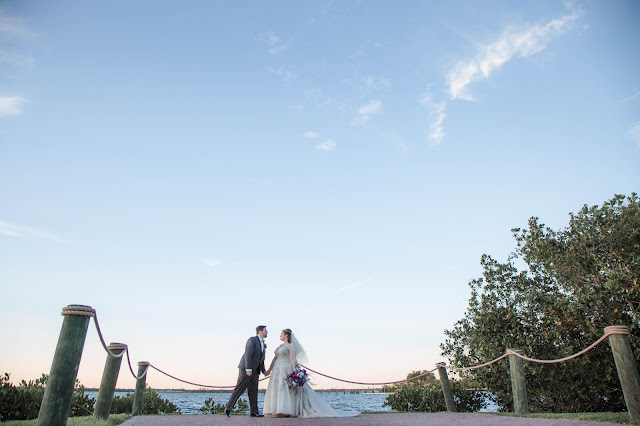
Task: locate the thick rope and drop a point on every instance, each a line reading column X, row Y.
column 365, row 383
column 196, row 384
column 104, row 344
column 477, row 366
column 79, row 310
column 131, row 368
column 116, row 346
column 608, row 331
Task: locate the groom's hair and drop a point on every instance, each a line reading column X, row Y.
column 260, row 328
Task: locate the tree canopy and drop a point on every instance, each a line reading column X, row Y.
column 553, row 297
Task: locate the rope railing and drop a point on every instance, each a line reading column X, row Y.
column 368, row 383
column 474, row 367
column 196, row 384
column 90, row 312
column 75, row 325
column 608, row 331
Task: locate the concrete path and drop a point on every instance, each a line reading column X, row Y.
column 475, row 419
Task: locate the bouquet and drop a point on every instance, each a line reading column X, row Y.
column 297, row 378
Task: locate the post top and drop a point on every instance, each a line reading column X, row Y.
column 617, row 329
column 143, row 363
column 117, row 346
column 441, row 364
column 79, row 310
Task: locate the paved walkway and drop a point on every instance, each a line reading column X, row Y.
column 475, row 419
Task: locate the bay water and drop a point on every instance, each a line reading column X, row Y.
column 190, row 402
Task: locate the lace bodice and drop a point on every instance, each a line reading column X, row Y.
column 282, row 351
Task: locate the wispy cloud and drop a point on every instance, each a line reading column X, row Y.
column 19, row 231
column 631, row 98
column 634, row 133
column 371, row 83
column 273, row 42
column 11, row 26
column 437, row 115
column 283, row 72
column 367, row 110
column 212, row 262
column 353, row 285
column 11, row 105
column 16, row 59
column 319, row 99
column 512, row 43
column 311, row 135
column 10, row 29
column 327, row 145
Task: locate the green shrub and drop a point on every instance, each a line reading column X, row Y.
column 210, row 407
column 152, row 404
column 23, row 402
column 428, row 397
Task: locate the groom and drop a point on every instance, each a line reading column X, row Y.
column 251, row 364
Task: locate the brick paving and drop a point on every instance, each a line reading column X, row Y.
column 476, row 419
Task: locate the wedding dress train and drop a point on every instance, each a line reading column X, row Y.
column 300, row 402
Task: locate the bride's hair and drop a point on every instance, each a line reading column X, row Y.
column 287, row 332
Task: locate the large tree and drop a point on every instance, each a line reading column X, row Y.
column 552, row 298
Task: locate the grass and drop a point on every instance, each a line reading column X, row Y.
column 621, row 418
column 114, row 419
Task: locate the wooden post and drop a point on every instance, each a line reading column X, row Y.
column 138, row 397
column 54, row 410
column 446, row 387
column 518, row 383
column 109, row 379
column 627, row 368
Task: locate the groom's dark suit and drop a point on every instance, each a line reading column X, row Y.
column 253, row 359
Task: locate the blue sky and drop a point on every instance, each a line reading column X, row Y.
column 338, row 168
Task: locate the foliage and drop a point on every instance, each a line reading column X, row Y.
column 113, row 420
column 425, row 394
column 152, row 403
column 23, row 402
column 572, row 284
column 423, row 377
column 210, row 407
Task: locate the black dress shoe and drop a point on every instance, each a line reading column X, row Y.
column 228, row 413
column 257, row 415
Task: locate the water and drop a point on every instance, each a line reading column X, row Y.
column 190, row 402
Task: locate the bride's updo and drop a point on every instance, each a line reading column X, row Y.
column 287, row 332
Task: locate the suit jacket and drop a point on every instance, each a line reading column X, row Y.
column 253, row 357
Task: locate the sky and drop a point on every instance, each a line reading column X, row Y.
column 193, row 170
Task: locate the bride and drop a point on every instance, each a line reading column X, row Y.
column 282, row 401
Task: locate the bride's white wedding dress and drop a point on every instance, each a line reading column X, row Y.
column 301, row 402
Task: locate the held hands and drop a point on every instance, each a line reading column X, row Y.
column 266, row 373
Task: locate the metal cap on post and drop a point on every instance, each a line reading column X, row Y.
column 627, row 368
column 54, row 410
column 518, row 382
column 109, row 379
column 446, row 387
column 138, row 397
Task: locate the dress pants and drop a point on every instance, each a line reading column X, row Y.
column 248, row 383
